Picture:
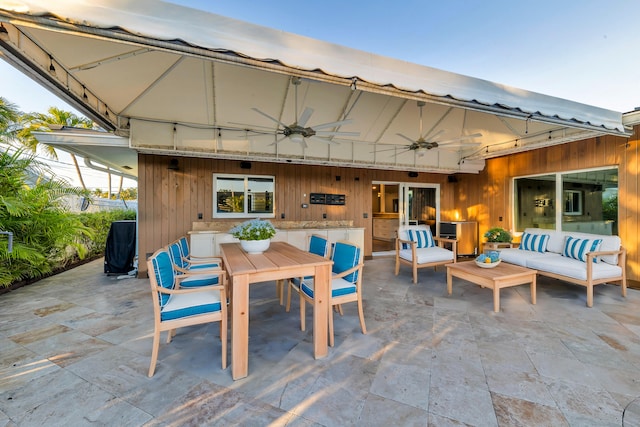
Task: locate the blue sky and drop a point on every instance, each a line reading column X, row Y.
column 585, row 51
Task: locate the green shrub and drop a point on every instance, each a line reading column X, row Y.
column 100, row 223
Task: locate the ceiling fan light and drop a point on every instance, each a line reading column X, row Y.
column 296, row 137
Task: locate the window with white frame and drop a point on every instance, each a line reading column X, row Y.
column 241, row 196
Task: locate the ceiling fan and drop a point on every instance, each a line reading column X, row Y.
column 298, row 131
column 422, row 144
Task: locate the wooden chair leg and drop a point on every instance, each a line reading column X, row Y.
column 170, row 334
column 302, row 313
column 361, row 314
column 223, row 339
column 154, row 353
column 331, row 328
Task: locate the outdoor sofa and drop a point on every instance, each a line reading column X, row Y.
column 580, row 258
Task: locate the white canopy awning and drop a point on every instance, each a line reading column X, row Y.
column 183, row 81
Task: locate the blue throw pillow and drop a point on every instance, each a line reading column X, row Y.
column 534, row 242
column 423, row 238
column 578, row 248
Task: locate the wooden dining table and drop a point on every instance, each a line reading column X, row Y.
column 281, row 261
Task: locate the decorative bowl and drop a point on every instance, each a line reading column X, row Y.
column 488, row 264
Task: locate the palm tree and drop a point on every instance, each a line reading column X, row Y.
column 9, row 116
column 40, row 122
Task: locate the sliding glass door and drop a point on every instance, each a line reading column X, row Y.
column 395, row 203
column 420, row 204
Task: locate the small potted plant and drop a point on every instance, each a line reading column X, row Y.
column 254, row 235
column 498, row 235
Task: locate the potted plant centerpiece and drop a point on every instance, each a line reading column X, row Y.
column 254, row 235
column 498, row 235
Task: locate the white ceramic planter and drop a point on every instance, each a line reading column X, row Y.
column 255, row 246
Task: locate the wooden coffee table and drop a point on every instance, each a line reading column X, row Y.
column 501, row 276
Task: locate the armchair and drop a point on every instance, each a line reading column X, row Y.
column 418, row 248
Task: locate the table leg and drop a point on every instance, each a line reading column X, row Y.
column 321, row 307
column 449, row 279
column 240, row 327
column 496, row 298
column 533, row 290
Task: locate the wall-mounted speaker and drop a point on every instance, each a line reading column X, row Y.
column 245, row 165
column 452, row 178
column 413, row 174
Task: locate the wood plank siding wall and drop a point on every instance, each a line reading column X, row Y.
column 171, row 200
column 487, row 197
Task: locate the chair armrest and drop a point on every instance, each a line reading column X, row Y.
column 162, row 290
column 187, row 273
column 202, row 260
column 222, row 275
column 347, row 272
column 444, row 239
column 400, row 241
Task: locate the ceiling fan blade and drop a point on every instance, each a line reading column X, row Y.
column 323, row 140
column 332, row 124
column 278, row 140
column 250, row 127
column 399, row 147
column 336, row 133
column 402, row 152
column 434, row 136
column 269, row 117
column 460, row 144
column 304, row 118
column 405, row 137
column 462, row 138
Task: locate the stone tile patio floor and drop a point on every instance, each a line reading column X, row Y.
column 75, row 349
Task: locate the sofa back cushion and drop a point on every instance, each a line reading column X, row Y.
column 534, row 242
column 555, row 243
column 577, row 248
column 557, row 239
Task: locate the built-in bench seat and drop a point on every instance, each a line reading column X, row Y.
column 580, row 258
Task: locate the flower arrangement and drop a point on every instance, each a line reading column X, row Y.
column 497, row 234
column 254, row 229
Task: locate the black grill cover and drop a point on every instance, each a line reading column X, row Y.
column 120, row 250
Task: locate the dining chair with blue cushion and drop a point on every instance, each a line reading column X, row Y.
column 182, row 265
column 194, row 259
column 175, row 306
column 346, row 284
column 317, row 245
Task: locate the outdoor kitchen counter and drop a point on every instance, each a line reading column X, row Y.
column 207, row 237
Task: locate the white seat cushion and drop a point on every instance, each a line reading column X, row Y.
column 573, row 268
column 519, row 257
column 428, row 255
